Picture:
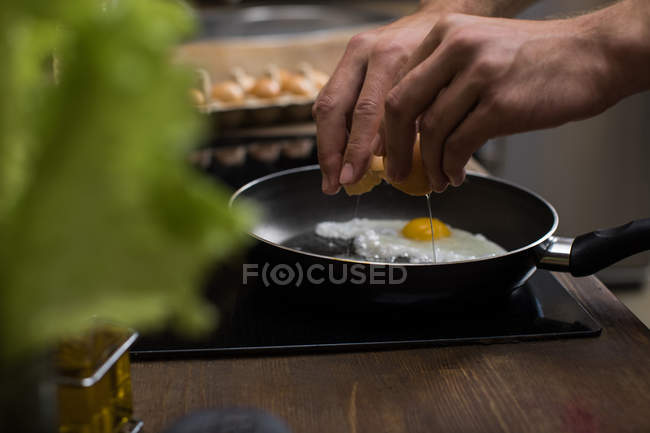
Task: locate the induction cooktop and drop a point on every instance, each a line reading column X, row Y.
column 257, row 321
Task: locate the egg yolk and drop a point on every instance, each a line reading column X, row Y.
column 419, row 229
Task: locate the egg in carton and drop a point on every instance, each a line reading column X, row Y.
column 268, row 97
column 278, row 96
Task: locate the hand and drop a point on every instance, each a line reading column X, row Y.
column 353, row 99
column 476, row 78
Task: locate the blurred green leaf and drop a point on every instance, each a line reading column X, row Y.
column 99, row 212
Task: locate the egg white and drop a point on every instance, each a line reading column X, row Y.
column 382, row 240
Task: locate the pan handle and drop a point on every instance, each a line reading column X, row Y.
column 594, row 251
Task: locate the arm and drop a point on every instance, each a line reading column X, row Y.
column 349, row 110
column 491, row 8
column 477, row 78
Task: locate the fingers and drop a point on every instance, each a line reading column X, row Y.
column 469, row 136
column 439, row 121
column 424, row 50
column 438, row 33
column 405, row 102
column 380, row 147
column 375, row 145
column 332, row 111
column 431, row 150
column 384, row 63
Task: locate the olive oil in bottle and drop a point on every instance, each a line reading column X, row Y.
column 94, row 391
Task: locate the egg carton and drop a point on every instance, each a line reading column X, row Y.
column 279, row 97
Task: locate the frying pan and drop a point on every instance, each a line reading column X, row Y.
column 519, row 220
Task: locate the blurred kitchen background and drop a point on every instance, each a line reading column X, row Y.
column 595, row 172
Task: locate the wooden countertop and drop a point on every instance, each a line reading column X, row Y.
column 575, row 385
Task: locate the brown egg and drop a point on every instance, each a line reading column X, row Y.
column 370, row 179
column 228, row 92
column 285, row 77
column 280, row 74
column 416, row 183
column 266, row 88
column 242, row 78
column 318, row 78
column 197, row 97
column 298, row 84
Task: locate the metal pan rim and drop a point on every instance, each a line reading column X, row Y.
column 534, row 244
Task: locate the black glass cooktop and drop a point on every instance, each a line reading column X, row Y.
column 257, row 322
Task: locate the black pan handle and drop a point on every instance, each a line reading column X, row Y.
column 597, row 250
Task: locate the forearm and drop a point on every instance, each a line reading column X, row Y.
column 488, row 8
column 622, row 32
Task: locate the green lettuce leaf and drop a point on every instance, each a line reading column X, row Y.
column 100, row 214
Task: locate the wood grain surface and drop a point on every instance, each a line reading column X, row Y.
column 575, row 385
